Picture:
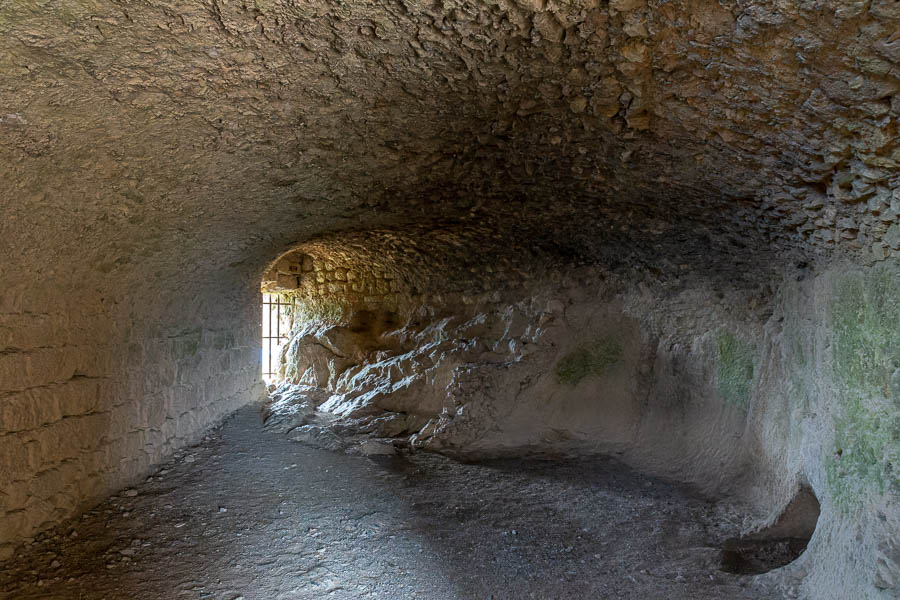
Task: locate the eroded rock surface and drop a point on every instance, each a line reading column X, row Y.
column 686, row 386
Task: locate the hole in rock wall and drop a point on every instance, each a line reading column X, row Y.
column 778, row 545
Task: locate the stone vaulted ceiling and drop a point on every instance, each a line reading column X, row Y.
column 143, row 134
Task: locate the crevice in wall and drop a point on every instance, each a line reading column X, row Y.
column 778, row 545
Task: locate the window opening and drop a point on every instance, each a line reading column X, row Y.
column 277, row 322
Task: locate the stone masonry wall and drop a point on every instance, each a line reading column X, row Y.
column 92, row 395
column 395, row 269
column 332, row 278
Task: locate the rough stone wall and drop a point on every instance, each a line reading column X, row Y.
column 93, row 391
column 751, row 392
column 54, row 381
column 312, row 279
column 367, row 288
column 811, row 366
column 592, row 361
column 827, row 411
column 461, row 263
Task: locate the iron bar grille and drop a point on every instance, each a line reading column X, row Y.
column 277, row 321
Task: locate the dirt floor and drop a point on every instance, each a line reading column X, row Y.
column 250, row 515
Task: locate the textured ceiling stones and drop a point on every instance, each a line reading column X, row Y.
column 143, row 133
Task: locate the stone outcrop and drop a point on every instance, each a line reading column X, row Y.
column 799, row 394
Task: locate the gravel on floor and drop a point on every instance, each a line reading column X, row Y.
column 250, row 515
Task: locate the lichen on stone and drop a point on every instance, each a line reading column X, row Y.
column 865, row 320
column 735, row 370
column 588, row 360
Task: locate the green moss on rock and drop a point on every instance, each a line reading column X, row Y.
column 866, row 323
column 865, row 320
column 867, row 446
column 735, row 369
column 588, row 360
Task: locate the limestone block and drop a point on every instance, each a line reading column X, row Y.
column 186, row 425
column 635, row 26
column 12, row 371
column 49, row 483
column 578, row 104
column 153, row 411
column 17, row 458
column 533, row 5
column 17, row 525
column 27, row 331
column 885, row 9
column 28, row 410
column 44, row 366
column 877, row 203
column 892, row 237
column 12, row 299
column 287, row 282
column 15, row 496
column 636, row 52
column 548, row 27
column 626, row 5
column 289, row 266
column 65, row 439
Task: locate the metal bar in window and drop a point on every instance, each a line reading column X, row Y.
column 274, row 336
column 273, row 316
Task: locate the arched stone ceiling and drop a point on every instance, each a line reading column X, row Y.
column 141, row 135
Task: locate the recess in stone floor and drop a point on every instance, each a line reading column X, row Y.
column 458, row 299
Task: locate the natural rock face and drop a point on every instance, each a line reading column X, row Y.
column 560, row 372
column 757, row 404
column 159, row 156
